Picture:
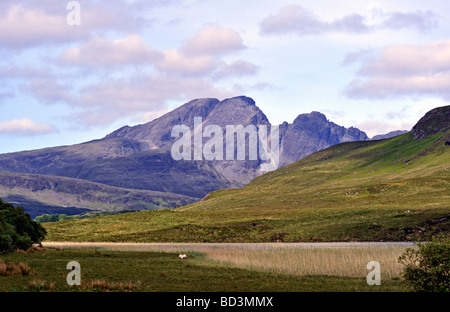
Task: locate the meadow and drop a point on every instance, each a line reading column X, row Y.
column 232, row 269
column 388, row 190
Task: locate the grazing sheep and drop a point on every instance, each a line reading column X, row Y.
column 182, row 256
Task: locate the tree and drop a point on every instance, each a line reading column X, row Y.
column 427, row 267
column 17, row 229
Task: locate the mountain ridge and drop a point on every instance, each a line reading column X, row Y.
column 139, row 157
column 395, row 189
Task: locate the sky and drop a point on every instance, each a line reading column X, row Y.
column 74, row 71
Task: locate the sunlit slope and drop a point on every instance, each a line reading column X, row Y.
column 393, row 189
column 349, row 172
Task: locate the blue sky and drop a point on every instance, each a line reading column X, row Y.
column 375, row 65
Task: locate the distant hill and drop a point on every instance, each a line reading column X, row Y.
column 139, row 157
column 42, row 194
column 395, row 189
column 389, row 135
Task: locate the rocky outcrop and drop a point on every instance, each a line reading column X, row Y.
column 435, row 121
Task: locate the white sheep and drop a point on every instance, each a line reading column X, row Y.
column 182, row 256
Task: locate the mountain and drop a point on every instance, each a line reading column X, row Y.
column 392, row 190
column 308, row 133
column 312, row 132
column 156, row 135
column 140, row 157
column 389, row 135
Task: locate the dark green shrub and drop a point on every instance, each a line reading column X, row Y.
column 427, row 267
column 5, row 241
column 47, row 218
column 17, row 229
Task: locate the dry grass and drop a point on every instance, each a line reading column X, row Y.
column 30, row 250
column 35, row 249
column 40, row 285
column 7, row 269
column 341, row 262
column 102, row 285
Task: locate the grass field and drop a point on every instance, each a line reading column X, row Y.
column 391, row 190
column 213, row 270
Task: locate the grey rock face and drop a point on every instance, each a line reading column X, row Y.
column 310, row 133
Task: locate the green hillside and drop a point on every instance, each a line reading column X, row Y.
column 45, row 194
column 393, row 189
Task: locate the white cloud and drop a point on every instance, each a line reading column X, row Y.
column 21, row 26
column 175, row 61
column 200, row 55
column 48, row 90
column 293, row 19
column 102, row 52
column 182, row 74
column 298, row 20
column 35, row 23
column 24, row 127
column 176, row 75
column 404, row 60
column 213, row 40
column 420, row 20
column 110, row 100
column 236, row 69
column 405, row 70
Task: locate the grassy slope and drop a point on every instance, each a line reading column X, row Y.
column 394, row 189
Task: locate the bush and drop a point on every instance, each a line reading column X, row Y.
column 427, row 267
column 17, row 229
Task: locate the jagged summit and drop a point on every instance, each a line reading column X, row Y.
column 313, row 116
column 242, row 98
column 313, row 132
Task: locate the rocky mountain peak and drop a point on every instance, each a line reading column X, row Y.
column 313, row 117
column 242, row 98
column 312, row 132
